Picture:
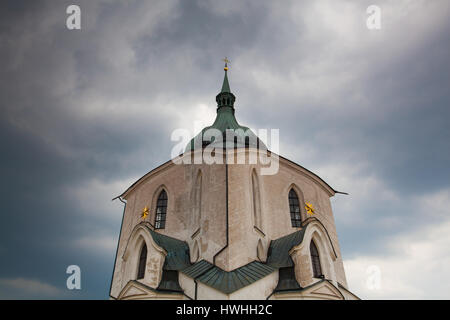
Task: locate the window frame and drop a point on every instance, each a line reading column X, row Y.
column 161, row 210
column 315, row 260
column 296, row 217
column 142, row 261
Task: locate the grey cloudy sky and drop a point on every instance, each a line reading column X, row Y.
column 85, row 113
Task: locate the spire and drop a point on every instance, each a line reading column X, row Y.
column 225, row 120
column 225, row 98
column 225, row 85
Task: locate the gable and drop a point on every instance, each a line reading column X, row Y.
column 135, row 290
column 132, row 291
column 323, row 290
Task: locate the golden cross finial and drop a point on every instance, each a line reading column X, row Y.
column 226, row 63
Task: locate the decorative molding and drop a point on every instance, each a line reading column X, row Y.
column 196, row 233
column 140, row 291
column 259, row 231
column 166, row 165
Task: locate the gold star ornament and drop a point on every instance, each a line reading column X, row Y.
column 309, row 208
column 145, row 213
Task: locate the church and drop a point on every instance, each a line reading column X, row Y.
column 226, row 230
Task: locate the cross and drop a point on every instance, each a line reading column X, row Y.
column 226, row 60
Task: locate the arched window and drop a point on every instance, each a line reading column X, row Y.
column 315, row 260
column 142, row 262
column 161, row 210
column 294, row 206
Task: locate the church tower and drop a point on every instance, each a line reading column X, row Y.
column 214, row 224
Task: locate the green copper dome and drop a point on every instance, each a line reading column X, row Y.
column 233, row 134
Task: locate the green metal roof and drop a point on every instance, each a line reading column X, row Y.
column 197, row 268
column 228, row 281
column 287, row 280
column 231, row 281
column 177, row 259
column 278, row 255
column 169, row 281
column 226, row 120
column 177, row 251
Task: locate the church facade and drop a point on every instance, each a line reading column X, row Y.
column 197, row 230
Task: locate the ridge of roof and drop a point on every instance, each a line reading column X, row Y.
column 178, row 259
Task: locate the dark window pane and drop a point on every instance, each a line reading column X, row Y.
column 294, row 208
column 315, row 260
column 142, row 262
column 161, row 210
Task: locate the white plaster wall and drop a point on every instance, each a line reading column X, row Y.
column 187, row 284
column 179, row 182
column 243, row 238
